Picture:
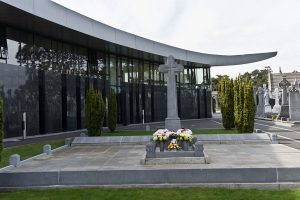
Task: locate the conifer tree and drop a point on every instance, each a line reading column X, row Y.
column 94, row 112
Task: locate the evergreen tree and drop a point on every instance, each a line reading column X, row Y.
column 227, row 102
column 112, row 110
column 1, row 127
column 94, row 112
column 249, row 107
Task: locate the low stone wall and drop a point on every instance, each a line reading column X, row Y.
column 142, row 177
column 204, row 138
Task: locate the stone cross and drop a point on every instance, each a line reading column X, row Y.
column 172, row 122
column 284, row 84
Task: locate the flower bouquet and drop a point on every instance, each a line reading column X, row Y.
column 184, row 136
column 173, row 145
column 160, row 137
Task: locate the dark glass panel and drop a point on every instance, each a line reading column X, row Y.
column 126, row 70
column 199, row 76
column 13, row 46
column 101, row 65
column 113, row 73
column 53, row 113
column 3, row 44
column 135, row 71
column 71, row 102
column 42, row 52
column 146, row 72
column 82, row 60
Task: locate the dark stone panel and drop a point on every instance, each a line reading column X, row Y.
column 71, row 103
column 160, row 103
column 53, row 110
column 208, row 104
column 133, row 103
column 125, row 104
column 78, row 103
column 189, row 107
column 83, row 88
column 201, row 104
column 19, row 89
column 139, row 104
column 147, row 103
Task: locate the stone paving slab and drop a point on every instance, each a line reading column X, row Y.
column 105, row 165
column 205, row 138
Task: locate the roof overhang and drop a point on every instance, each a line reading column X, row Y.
column 53, row 20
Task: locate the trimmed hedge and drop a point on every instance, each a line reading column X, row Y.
column 112, row 110
column 94, row 112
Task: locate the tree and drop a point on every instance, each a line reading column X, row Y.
column 94, row 112
column 227, row 102
column 1, row 127
column 249, row 107
column 112, row 110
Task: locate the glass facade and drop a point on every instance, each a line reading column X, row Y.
column 53, row 77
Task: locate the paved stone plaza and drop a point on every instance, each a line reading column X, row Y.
column 127, row 157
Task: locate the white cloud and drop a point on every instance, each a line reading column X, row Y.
column 209, row 26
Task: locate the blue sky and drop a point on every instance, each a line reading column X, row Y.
column 208, row 26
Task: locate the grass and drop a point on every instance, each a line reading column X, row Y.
column 137, row 133
column 27, row 151
column 151, row 193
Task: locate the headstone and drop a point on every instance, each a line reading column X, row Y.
column 276, row 107
column 14, row 160
column 260, row 109
column 284, row 110
column 150, row 150
column 199, row 149
column 268, row 108
column 68, row 142
column 296, row 84
column 147, row 128
column 172, row 122
column 274, row 138
column 294, row 104
column 47, row 149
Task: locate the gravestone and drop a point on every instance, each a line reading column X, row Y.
column 260, row 109
column 268, row 108
column 284, row 110
column 276, row 108
column 294, row 104
column 172, row 122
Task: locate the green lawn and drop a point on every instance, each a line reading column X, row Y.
column 27, row 151
column 135, row 133
column 151, row 193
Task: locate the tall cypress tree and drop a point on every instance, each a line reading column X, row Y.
column 227, row 102
column 249, row 107
column 1, row 127
column 94, row 112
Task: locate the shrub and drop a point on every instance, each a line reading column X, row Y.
column 94, row 112
column 112, row 111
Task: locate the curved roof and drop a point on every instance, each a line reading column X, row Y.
column 69, row 19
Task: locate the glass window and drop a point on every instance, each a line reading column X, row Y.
column 135, row 71
column 3, row 44
column 82, row 60
column 113, row 66
column 146, row 73
column 156, row 77
column 125, row 69
column 13, row 47
column 67, row 59
column 42, row 52
column 101, row 65
column 199, row 75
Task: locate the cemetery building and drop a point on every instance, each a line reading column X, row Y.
column 50, row 55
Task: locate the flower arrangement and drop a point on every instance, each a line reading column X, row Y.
column 184, row 135
column 161, row 135
column 173, row 145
